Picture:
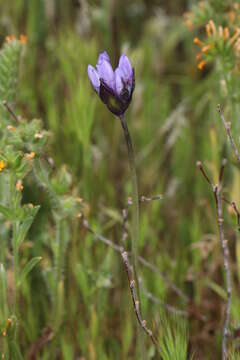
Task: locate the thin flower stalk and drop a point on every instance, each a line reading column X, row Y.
column 135, row 199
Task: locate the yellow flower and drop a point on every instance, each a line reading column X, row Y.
column 3, row 165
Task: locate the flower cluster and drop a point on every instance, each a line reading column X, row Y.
column 115, row 88
column 222, row 33
column 22, row 38
column 218, row 41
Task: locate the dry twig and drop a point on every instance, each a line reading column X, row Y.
column 135, row 301
column 10, row 110
column 226, row 256
column 227, row 126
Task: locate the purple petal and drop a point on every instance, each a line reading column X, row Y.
column 94, row 78
column 126, row 67
column 103, row 56
column 118, row 81
column 106, row 73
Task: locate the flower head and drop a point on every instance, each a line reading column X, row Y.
column 19, row 185
column 115, row 88
column 3, row 165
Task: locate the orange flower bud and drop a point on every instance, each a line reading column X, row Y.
column 206, row 48
column 10, row 38
column 208, row 30
column 213, row 27
column 197, row 41
column 226, row 33
column 201, row 65
column 23, row 39
column 30, row 156
column 19, row 185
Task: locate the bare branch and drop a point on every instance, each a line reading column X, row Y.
column 227, row 126
column 226, row 256
column 237, row 214
column 136, row 303
column 234, row 206
column 200, row 166
column 223, row 164
column 10, row 110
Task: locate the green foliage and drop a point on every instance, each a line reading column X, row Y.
column 173, row 338
column 72, row 165
column 9, row 72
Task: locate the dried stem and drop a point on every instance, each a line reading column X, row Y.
column 226, row 256
column 234, row 206
column 227, row 126
column 136, row 304
column 10, row 110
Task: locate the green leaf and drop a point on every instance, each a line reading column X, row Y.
column 216, row 288
column 10, row 56
column 8, row 213
column 25, row 226
column 28, row 267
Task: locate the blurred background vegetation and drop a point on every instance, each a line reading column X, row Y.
column 83, row 310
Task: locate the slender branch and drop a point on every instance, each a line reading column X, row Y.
column 124, row 221
column 223, row 164
column 227, row 126
column 136, row 304
column 234, row 206
column 226, row 256
column 237, row 214
column 199, row 165
column 10, row 110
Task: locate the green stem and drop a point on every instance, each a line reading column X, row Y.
column 141, row 349
column 59, row 274
column 14, row 242
column 135, row 200
column 15, row 260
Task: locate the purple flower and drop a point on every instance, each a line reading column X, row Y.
column 115, row 88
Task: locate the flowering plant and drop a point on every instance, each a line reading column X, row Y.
column 115, row 88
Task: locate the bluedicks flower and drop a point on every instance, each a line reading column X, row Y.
column 115, row 88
